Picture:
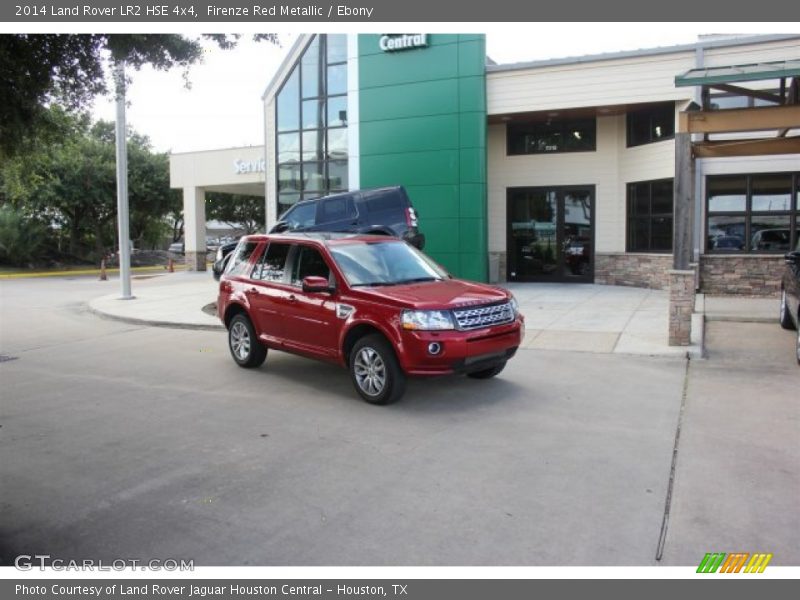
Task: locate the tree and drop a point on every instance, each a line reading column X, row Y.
column 236, row 210
column 71, row 184
column 39, row 70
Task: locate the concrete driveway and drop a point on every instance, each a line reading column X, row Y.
column 125, row 441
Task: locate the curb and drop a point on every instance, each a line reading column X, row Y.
column 151, row 323
column 740, row 319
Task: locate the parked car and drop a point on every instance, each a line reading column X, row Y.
column 176, row 248
column 728, row 242
column 374, row 305
column 380, row 211
column 790, row 295
column 221, row 258
column 771, row 239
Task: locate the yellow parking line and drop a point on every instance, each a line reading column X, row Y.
column 23, row 274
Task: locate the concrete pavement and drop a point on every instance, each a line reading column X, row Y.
column 584, row 318
column 123, row 440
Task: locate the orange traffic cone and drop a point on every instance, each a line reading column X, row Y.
column 171, row 266
column 103, row 276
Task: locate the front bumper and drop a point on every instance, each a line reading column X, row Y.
column 461, row 351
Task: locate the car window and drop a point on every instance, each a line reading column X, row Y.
column 238, row 264
column 336, row 209
column 383, row 201
column 301, row 216
column 273, row 264
column 308, row 261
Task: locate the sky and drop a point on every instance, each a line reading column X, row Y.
column 223, row 108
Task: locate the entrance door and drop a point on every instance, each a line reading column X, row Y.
column 551, row 234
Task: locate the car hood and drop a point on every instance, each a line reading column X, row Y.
column 431, row 295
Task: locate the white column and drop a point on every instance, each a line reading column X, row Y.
column 353, row 149
column 194, row 228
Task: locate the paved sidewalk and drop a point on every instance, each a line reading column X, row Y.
column 601, row 319
column 170, row 300
column 583, row 318
column 739, row 309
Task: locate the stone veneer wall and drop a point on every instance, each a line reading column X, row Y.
column 633, row 270
column 741, row 274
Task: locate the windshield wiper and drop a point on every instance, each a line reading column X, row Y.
column 417, row 280
column 374, row 284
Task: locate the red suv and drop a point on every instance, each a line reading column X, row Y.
column 372, row 304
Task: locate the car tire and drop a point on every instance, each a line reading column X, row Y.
column 784, row 317
column 246, row 349
column 488, row 373
column 375, row 371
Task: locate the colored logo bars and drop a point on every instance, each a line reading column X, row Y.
column 733, row 563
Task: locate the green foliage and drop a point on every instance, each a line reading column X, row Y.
column 245, row 212
column 43, row 69
column 70, row 184
column 22, row 239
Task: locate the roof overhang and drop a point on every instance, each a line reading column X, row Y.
column 777, row 124
column 739, row 73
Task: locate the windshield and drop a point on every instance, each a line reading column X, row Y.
column 384, row 263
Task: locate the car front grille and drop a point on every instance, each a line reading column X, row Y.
column 484, row 316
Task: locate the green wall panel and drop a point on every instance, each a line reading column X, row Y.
column 416, row 134
column 471, row 57
column 472, row 200
column 436, row 201
column 473, row 165
column 392, row 102
column 472, row 94
column 441, row 236
column 472, row 129
column 418, row 64
column 422, row 124
column 410, row 168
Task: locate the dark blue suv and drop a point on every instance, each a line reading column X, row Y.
column 381, row 211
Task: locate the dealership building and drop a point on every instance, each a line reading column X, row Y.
column 575, row 169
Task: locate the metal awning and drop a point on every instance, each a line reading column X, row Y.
column 736, row 73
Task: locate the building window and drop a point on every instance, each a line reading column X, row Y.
column 546, row 137
column 652, row 124
column 311, row 118
column 650, row 216
column 752, row 213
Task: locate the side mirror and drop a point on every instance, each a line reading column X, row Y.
column 279, row 227
column 313, row 284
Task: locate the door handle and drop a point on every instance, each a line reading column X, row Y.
column 292, row 298
column 253, row 290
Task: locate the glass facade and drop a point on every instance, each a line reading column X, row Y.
column 752, row 213
column 311, row 118
column 575, row 135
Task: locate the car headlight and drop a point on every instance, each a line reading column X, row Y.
column 514, row 305
column 426, row 320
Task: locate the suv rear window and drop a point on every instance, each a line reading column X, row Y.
column 383, row 201
column 336, row 209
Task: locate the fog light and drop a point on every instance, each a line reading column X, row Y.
column 434, row 348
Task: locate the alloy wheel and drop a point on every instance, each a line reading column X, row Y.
column 370, row 371
column 240, row 341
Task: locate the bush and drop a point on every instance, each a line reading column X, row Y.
column 22, row 240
